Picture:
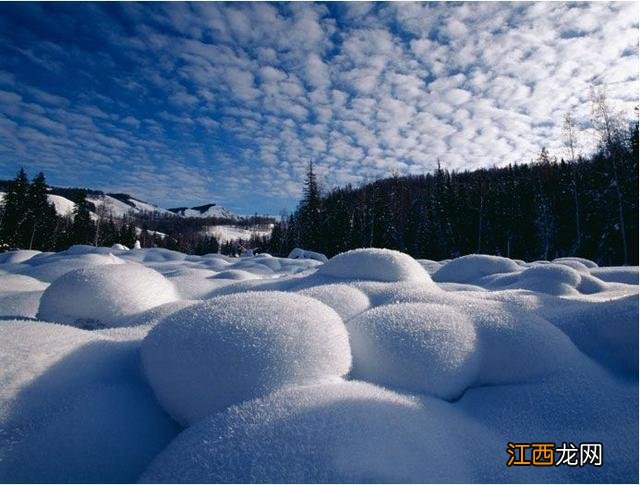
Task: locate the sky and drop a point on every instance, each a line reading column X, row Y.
column 192, row 103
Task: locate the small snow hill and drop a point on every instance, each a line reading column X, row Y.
column 207, row 210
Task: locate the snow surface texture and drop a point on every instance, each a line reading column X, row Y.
column 371, row 367
column 237, row 347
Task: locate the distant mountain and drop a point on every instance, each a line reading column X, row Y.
column 119, row 204
column 207, row 210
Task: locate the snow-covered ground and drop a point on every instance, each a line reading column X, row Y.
column 232, row 233
column 154, row 366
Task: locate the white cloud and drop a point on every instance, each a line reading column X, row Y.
column 264, row 87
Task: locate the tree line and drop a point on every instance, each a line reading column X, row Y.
column 548, row 208
column 28, row 220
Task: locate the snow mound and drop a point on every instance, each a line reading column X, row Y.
column 101, row 296
column 573, row 259
column 346, row 300
column 19, row 304
column 298, row 253
column 419, row 347
column 374, row 265
column 74, row 407
column 52, row 268
column 15, row 257
column 606, row 331
column 232, row 348
column 515, row 344
column 620, row 274
column 552, row 279
column 343, row 432
column 18, row 282
column 472, row 267
column 120, row 247
column 235, row 274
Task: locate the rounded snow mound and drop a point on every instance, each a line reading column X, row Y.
column 52, row 268
column 19, row 256
column 236, row 347
column 472, row 267
column 374, row 265
column 421, row 347
column 16, row 282
column 343, row 432
column 574, row 259
column 102, row 296
column 344, row 299
column 552, row 279
column 235, row 274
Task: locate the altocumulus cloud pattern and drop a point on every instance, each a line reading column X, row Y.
column 226, row 99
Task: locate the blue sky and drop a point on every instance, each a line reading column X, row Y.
column 190, row 103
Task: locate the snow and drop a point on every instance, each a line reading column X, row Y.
column 19, row 256
column 340, row 432
column 74, row 407
column 226, row 233
column 375, row 265
column 229, row 349
column 263, row 369
column 419, row 347
column 64, row 207
column 100, row 296
column 472, row 267
column 346, row 300
column 298, row 253
column 208, row 210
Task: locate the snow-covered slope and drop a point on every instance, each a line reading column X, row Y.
column 232, row 233
column 119, row 208
column 63, row 205
column 153, row 366
column 207, row 210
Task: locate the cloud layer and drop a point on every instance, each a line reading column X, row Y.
column 188, row 103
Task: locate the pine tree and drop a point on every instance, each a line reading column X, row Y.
column 309, row 212
column 41, row 216
column 83, row 229
column 16, row 212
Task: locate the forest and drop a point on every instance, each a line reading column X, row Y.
column 579, row 206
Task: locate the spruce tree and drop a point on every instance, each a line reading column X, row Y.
column 83, row 229
column 41, row 216
column 16, row 212
column 309, row 212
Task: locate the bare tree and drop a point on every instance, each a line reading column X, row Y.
column 570, row 140
column 608, row 124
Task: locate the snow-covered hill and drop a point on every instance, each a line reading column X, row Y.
column 119, row 205
column 123, row 204
column 207, row 210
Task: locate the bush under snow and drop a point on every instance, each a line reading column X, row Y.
column 419, row 347
column 232, row 348
column 101, row 296
column 269, row 368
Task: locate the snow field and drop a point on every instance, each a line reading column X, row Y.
column 262, row 369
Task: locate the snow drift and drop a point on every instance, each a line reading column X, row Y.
column 363, row 368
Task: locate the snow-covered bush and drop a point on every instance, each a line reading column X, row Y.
column 298, row 253
column 374, row 265
column 419, row 347
column 472, row 267
column 344, row 299
column 344, row 432
column 232, row 348
column 102, row 296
